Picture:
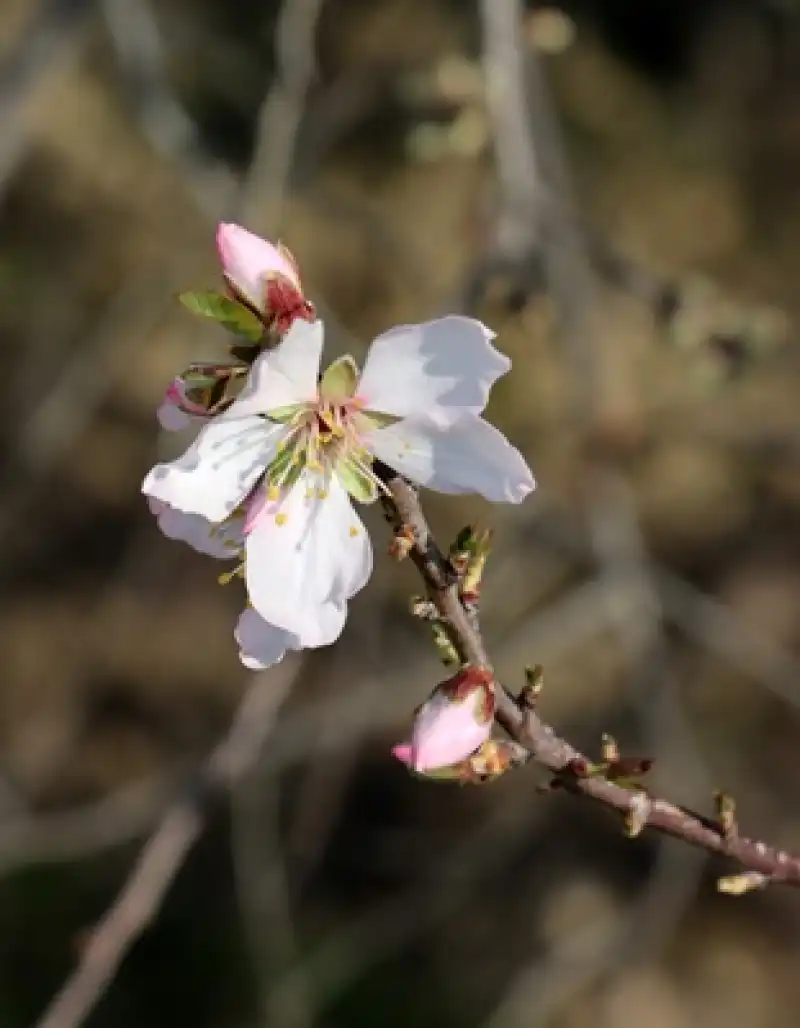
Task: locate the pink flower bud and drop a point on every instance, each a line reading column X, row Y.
column 263, row 276
column 454, row 721
column 177, row 411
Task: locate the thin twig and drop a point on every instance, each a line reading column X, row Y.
column 54, row 36
column 71, row 834
column 281, row 113
column 163, row 857
column 547, row 748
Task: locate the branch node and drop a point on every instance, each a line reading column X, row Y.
column 636, row 819
column 423, row 608
column 610, row 750
column 404, row 539
column 534, row 683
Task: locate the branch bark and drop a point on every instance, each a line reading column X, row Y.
column 546, row 747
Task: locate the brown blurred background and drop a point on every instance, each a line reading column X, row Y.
column 655, row 574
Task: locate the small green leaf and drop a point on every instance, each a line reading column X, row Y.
column 340, row 380
column 357, row 481
column 226, row 312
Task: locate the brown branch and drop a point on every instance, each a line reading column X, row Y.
column 546, row 747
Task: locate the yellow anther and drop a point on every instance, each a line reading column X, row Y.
column 273, row 493
column 281, row 519
column 322, row 494
column 309, row 494
column 314, row 465
column 353, row 531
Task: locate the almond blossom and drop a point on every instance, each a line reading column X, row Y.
column 299, row 446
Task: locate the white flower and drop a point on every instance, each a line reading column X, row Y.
column 416, row 407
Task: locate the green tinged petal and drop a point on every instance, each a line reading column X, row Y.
column 228, row 313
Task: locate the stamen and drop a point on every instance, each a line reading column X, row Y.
column 281, row 519
column 228, row 576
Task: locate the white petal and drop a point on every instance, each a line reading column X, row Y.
column 260, row 644
column 300, row 572
column 286, row 375
column 219, row 469
column 223, row 541
column 441, row 369
column 247, row 261
column 468, row 456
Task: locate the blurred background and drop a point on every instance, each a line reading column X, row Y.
column 615, row 188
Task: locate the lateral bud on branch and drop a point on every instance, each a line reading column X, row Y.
column 747, row 881
column 726, row 814
column 447, row 652
column 423, row 608
column 534, row 683
column 468, row 556
column 402, row 543
column 636, row 819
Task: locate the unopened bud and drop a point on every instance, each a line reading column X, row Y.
column 453, row 723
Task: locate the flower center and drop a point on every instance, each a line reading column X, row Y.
column 325, row 437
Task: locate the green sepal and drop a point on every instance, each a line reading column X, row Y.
column 208, row 384
column 448, row 773
column 228, row 313
column 376, row 419
column 357, row 481
column 286, row 467
column 340, row 379
column 283, row 414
